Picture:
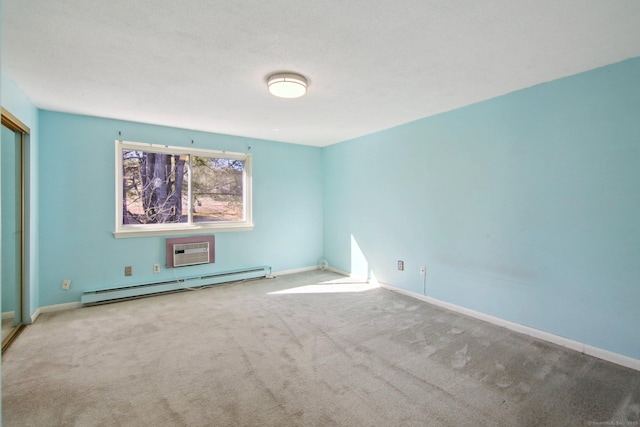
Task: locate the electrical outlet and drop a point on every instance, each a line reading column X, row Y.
column 156, row 268
column 401, row 265
column 423, row 271
column 128, row 270
column 66, row 284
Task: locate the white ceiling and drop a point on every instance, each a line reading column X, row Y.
column 371, row 64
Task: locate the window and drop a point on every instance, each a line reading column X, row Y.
column 170, row 190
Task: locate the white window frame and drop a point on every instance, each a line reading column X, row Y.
column 138, row 230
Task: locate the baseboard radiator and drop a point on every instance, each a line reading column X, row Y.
column 100, row 296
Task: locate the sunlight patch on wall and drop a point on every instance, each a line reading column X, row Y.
column 373, row 279
column 359, row 264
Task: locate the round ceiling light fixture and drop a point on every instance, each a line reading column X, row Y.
column 287, row 85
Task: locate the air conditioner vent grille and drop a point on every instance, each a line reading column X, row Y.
column 190, row 254
column 190, row 250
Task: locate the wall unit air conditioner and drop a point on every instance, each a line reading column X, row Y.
column 190, row 254
column 184, row 251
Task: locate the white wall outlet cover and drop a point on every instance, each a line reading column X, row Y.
column 66, row 284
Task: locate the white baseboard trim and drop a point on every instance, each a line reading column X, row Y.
column 311, row 268
column 335, row 270
column 600, row 353
column 295, row 270
column 56, row 307
column 8, row 315
column 315, row 267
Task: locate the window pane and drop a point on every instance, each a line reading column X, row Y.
column 217, row 189
column 155, row 188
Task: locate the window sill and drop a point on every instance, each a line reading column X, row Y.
column 146, row 231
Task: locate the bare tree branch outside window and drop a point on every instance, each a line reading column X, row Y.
column 156, row 188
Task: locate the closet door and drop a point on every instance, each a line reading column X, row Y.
column 12, row 236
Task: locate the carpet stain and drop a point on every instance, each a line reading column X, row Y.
column 504, row 384
column 429, row 350
column 460, row 359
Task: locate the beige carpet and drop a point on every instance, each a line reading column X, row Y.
column 248, row 355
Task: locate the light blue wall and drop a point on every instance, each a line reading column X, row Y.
column 77, row 193
column 525, row 207
column 18, row 104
